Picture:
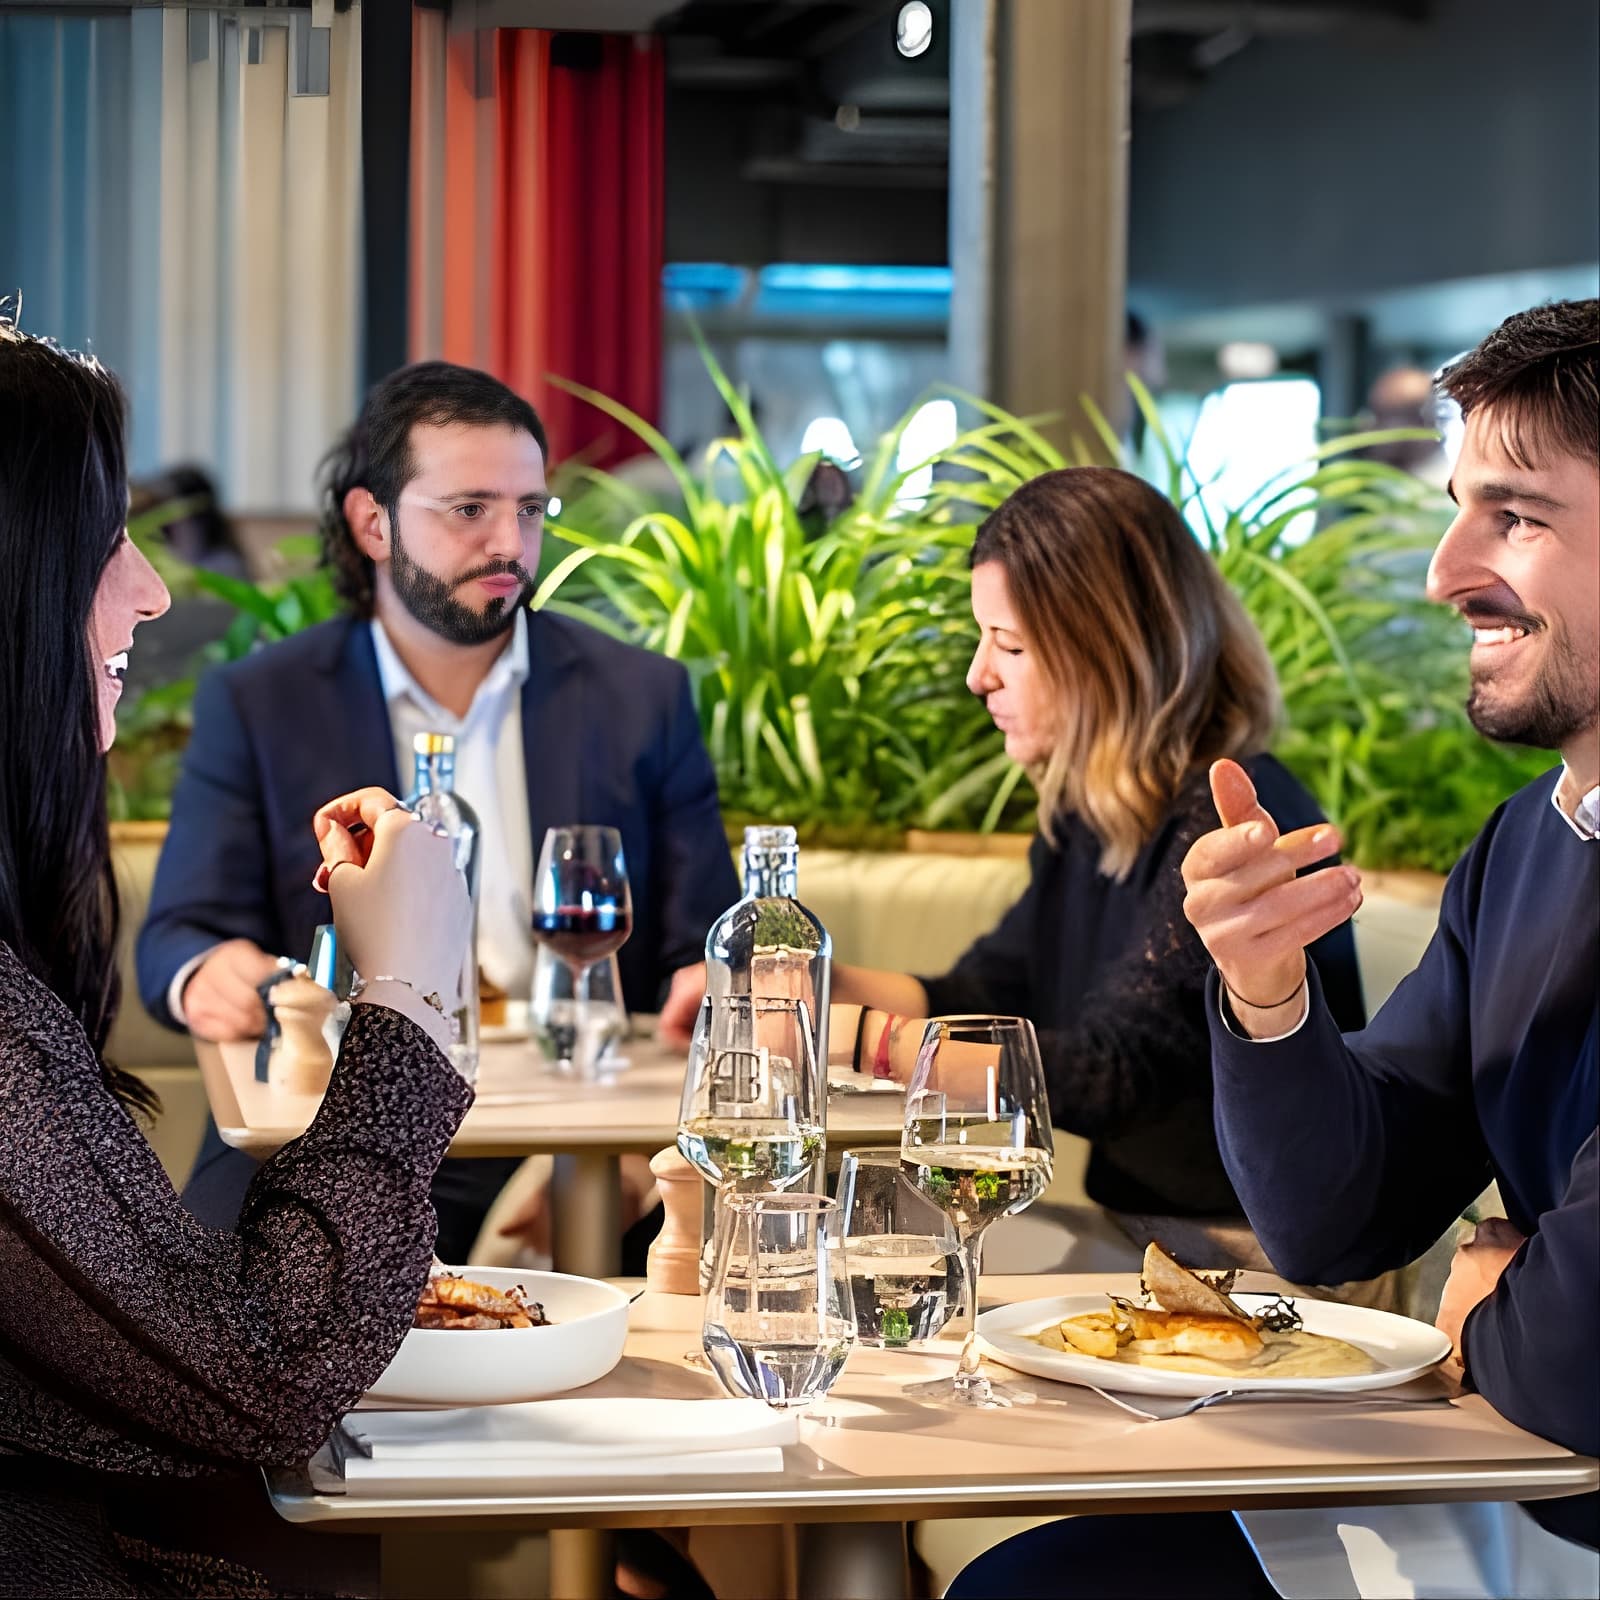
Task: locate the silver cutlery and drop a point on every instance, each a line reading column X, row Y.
column 1162, row 1408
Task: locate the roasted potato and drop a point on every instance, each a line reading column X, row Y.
column 1092, row 1335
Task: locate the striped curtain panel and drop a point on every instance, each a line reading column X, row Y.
column 182, row 195
column 536, row 217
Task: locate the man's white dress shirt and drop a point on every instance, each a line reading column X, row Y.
column 491, row 776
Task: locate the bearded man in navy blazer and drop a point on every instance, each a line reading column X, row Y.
column 433, row 513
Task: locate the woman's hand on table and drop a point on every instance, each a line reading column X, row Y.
column 400, row 906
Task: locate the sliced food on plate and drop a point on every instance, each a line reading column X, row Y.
column 1194, row 1325
column 449, row 1301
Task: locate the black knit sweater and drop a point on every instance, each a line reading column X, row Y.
column 138, row 1347
column 1113, row 977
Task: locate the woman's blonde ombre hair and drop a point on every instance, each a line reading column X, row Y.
column 1157, row 668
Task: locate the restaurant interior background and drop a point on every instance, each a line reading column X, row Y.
column 1280, row 217
column 876, row 219
column 1198, row 237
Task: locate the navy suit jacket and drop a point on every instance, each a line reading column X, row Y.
column 609, row 736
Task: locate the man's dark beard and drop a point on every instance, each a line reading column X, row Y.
column 433, row 603
column 1559, row 706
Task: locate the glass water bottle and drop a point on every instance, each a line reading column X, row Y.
column 435, row 800
column 768, row 945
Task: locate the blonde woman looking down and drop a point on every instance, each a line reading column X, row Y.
column 1118, row 665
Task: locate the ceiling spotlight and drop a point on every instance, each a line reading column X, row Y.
column 1244, row 359
column 913, row 30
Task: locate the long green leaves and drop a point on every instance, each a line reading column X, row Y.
column 829, row 657
column 828, row 654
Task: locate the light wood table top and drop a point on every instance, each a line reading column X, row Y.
column 521, row 1109
column 870, row 1453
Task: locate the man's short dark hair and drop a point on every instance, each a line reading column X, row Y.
column 1540, row 371
column 375, row 452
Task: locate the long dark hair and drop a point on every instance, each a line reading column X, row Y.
column 63, row 508
column 374, row 453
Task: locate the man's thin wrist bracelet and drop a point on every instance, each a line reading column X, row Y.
column 1293, row 994
column 359, row 987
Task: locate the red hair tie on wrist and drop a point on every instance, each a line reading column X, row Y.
column 880, row 1056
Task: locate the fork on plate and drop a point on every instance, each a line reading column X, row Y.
column 1164, row 1408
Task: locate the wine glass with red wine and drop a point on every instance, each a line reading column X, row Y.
column 583, row 913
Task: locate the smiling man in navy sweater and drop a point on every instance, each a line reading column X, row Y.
column 1352, row 1153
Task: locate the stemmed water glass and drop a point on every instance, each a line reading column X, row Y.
column 583, row 913
column 778, row 1325
column 977, row 1144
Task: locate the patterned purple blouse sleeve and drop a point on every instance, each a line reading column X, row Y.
column 133, row 1338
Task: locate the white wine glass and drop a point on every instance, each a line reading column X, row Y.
column 903, row 1251
column 752, row 1109
column 751, row 1118
column 777, row 1325
column 977, row 1144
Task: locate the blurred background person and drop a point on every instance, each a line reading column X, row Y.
column 433, row 517
column 1119, row 665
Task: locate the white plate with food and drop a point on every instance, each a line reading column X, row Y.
column 494, row 1335
column 1190, row 1336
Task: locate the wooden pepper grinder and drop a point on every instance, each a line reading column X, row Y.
column 302, row 1062
column 672, row 1264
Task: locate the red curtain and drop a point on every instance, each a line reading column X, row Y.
column 537, row 199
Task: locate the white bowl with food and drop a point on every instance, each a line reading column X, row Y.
column 486, row 1358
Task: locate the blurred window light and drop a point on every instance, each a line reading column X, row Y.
column 932, row 428
column 838, row 358
column 1248, row 434
column 830, row 436
column 553, row 506
column 699, row 285
column 1447, row 416
column 1243, row 359
column 913, row 29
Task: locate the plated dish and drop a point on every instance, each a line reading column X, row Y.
column 580, row 1341
column 1192, row 1337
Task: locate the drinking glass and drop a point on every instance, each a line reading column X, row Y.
column 777, row 1322
column 977, row 1144
column 903, row 1251
column 582, row 912
column 552, row 1014
column 752, row 1110
column 751, row 1118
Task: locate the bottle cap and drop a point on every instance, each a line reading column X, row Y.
column 434, row 744
column 770, row 838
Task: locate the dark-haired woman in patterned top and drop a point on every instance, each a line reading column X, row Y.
column 147, row 1364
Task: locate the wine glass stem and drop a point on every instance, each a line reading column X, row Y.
column 968, row 1367
column 582, row 1035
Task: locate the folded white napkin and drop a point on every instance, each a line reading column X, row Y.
column 494, row 1450
column 567, row 1429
